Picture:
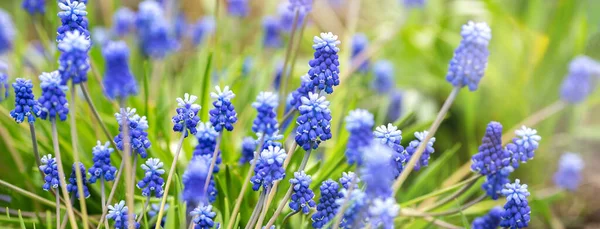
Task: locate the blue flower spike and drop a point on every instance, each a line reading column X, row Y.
column 489, row 158
column 328, row 205
column 138, row 131
column 25, row 104
column 360, row 125
column 53, row 100
column 74, row 62
column 73, row 16
column 302, row 195
column 468, row 65
column 269, row 168
column 72, row 182
column 118, row 80
column 102, row 168
column 203, row 217
column 7, row 32
column 50, row 170
column 491, row 220
column 223, row 115
column 314, row 122
column 414, row 144
column 266, row 120
column 324, row 67
column 186, row 118
column 516, row 210
column 568, row 175
column 383, row 211
column 119, row 214
column 152, row 183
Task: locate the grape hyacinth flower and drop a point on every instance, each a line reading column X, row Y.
column 203, row 217
column 302, row 6
column 153, row 30
column 272, row 32
column 118, row 79
column 414, row 144
column 3, row 82
column 314, row 122
column 302, row 195
column 73, row 18
column 327, row 207
column 324, row 68
column 53, row 101
column 34, row 6
column 568, row 175
column 489, row 158
column 383, row 81
column 378, row 171
column 152, row 181
column 360, row 125
column 383, row 211
column 123, row 20
column 186, row 118
column 102, row 168
column 74, row 62
column 25, row 104
column 7, row 32
column 207, row 139
column 50, row 170
column 100, row 36
column 269, row 168
column 72, row 182
column 286, row 14
column 471, row 57
column 395, row 106
column 390, row 136
column 118, row 213
column 581, row 79
column 270, row 140
column 346, row 180
column 223, row 115
column 295, row 98
column 138, row 131
column 248, row 147
column 266, row 119
column 238, row 8
column 522, row 148
column 491, row 220
column 516, row 210
column 356, row 202
column 495, row 182
column 194, row 179
column 359, row 44
column 202, row 29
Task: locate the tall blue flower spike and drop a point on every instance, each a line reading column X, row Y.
column 383, row 72
column 50, row 170
column 383, row 211
column 327, row 207
column 74, row 62
column 118, row 80
column 302, row 195
column 272, row 32
column 266, row 119
column 7, row 32
column 269, row 168
column 356, row 203
column 248, row 147
column 495, row 182
column 390, row 136
column 34, row 6
column 202, row 29
column 581, row 79
column 324, row 67
column 25, row 104
column 516, row 210
column 359, row 44
column 360, row 125
column 186, row 118
column 207, row 139
column 53, row 100
column 395, row 105
column 72, row 182
column 118, row 213
column 102, row 168
column 238, row 8
column 568, row 175
column 153, row 30
column 414, row 144
column 72, row 15
column 203, row 217
column 152, row 181
column 194, row 179
column 223, row 115
column 378, row 171
column 123, row 21
column 3, row 82
column 522, row 148
column 471, row 57
column 138, row 131
column 489, row 221
column 314, row 122
column 346, row 180
column 489, row 158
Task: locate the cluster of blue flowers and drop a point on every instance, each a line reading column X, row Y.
column 137, row 129
column 53, row 100
column 186, row 118
column 7, row 32
column 203, row 217
column 302, row 196
column 581, row 80
column 118, row 79
column 223, row 115
column 568, row 175
column 73, row 18
column 25, row 104
column 123, row 21
column 470, row 58
column 50, row 170
column 248, row 148
column 360, row 124
column 383, row 73
column 414, row 144
column 194, row 179
column 516, row 210
column 152, row 181
column 383, row 211
column 359, row 44
column 72, row 182
column 489, row 159
column 327, row 207
column 266, row 120
column 272, row 32
column 352, row 215
column 203, row 27
column 102, row 168
column 74, row 61
column 153, row 30
column 118, row 213
column 314, row 122
column 269, row 168
column 491, row 220
column 324, row 68
column 34, row 6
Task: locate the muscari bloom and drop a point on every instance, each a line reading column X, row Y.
column 203, row 217
column 266, row 119
column 359, row 44
column 3, row 82
column 118, row 79
column 522, row 148
column 72, row 182
column 207, row 139
column 495, row 182
column 202, row 29
column 50, row 170
column 324, row 68
column 313, row 122
column 327, row 207
column 272, row 30
column 153, row 30
column 74, row 62
column 138, row 131
column 302, row 195
column 295, row 98
column 489, row 221
column 53, row 100
column 383, row 72
column 303, row 6
column 34, row 6
column 123, row 20
column 414, row 144
column 489, row 158
column 194, row 179
column 286, row 16
column 270, row 140
column 118, row 213
column 516, row 210
column 102, row 168
column 269, row 168
column 581, row 79
column 238, row 8
column 568, row 175
column 346, row 180
column 352, row 214
column 395, row 106
column 379, row 171
column 186, row 118
column 470, row 58
column 390, row 136
column 360, row 125
column 25, row 104
column 73, row 18
column 383, row 211
column 248, row 147
column 223, row 115
column 152, row 181
column 7, row 32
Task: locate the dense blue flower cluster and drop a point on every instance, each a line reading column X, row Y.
column 359, row 44
column 203, row 217
column 360, row 125
column 118, row 79
column 383, row 73
column 489, row 158
column 248, row 147
column 138, row 131
column 53, row 100
column 395, row 105
column 581, row 80
column 204, row 27
column 414, row 144
column 269, row 168
column 516, row 210
column 102, row 168
column 73, row 18
column 34, row 6
column 266, row 119
column 123, row 21
column 50, row 170
column 223, row 115
column 238, row 8
column 346, row 180
column 25, row 104
column 378, row 171
column 313, row 122
column 194, row 179
column 272, row 32
column 207, row 139
column 118, row 213
column 153, row 30
column 390, row 136
column 324, row 67
column 489, row 221
column 522, row 148
column 327, row 207
column 7, row 32
column 186, row 118
column 295, row 98
column 568, row 175
column 495, row 182
column 152, row 181
column 470, row 58
column 383, row 211
column 72, row 182
column 352, row 214
column 74, row 62
column 302, row 195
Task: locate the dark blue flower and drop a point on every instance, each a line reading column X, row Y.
column 272, row 32
column 123, row 21
column 248, row 147
column 74, row 62
column 53, row 100
column 202, row 29
column 516, row 210
column 314, row 122
column 471, row 57
column 152, row 181
column 390, row 136
column 138, row 131
column 328, row 206
column 383, row 211
column 346, row 180
column 203, row 217
column 302, row 195
column 581, row 79
column 186, row 118
column 360, row 125
column 266, row 119
column 72, row 182
column 269, row 168
column 495, row 182
column 194, row 179
column 379, row 170
column 223, row 115
column 102, row 168
column 395, row 106
column 238, row 8
column 153, row 31
column 489, row 158
column 359, row 44
column 119, row 213
column 383, row 73
column 50, row 170
column 522, row 148
column 568, row 175
column 72, row 15
column 489, row 221
column 7, row 32
column 25, row 104
column 118, row 79
column 34, row 6
column 414, row 144
column 324, row 67
column 356, row 204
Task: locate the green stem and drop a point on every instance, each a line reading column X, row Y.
column 215, row 154
column 144, row 210
column 88, row 99
column 103, row 195
column 61, row 174
column 450, row 197
column 36, row 152
column 288, row 52
column 257, row 209
column 439, row 192
column 78, row 174
column 57, row 209
column 414, row 213
column 288, row 216
column 169, row 179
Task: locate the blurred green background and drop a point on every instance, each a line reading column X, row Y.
column 532, row 44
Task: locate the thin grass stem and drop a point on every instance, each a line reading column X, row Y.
column 169, row 179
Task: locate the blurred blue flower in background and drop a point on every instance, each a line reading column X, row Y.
column 359, row 44
column 581, row 80
column 568, row 175
column 118, row 80
column 7, row 32
column 193, row 180
column 356, row 203
column 248, row 147
column 202, row 29
column 471, row 57
column 72, row 182
column 238, row 8
column 271, row 30
column 383, row 72
column 3, row 82
column 395, row 106
column 360, row 125
column 383, row 211
column 123, row 21
column 413, row 3
column 153, row 31
column 378, row 171
column 34, row 6
column 74, row 62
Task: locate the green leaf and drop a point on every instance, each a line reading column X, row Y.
column 21, row 222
